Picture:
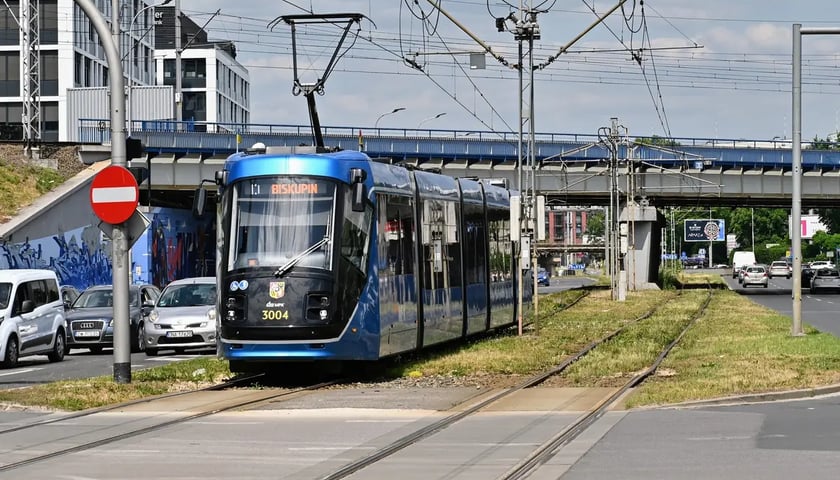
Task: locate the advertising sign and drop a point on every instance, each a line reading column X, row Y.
column 707, row 230
column 808, row 226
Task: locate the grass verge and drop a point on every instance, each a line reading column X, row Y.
column 735, row 347
column 561, row 333
column 739, row 347
column 94, row 392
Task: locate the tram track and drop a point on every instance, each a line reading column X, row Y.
column 549, row 448
column 253, row 397
column 232, row 383
column 546, row 450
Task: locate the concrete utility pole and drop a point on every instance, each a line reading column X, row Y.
column 119, row 242
column 179, row 95
column 525, row 28
column 796, row 172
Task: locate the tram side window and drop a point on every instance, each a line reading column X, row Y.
column 441, row 249
column 396, row 234
column 500, row 246
column 475, row 248
column 355, row 234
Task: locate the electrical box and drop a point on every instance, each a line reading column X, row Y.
column 539, row 215
column 514, row 218
column 525, row 253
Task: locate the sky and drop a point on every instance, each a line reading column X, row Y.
column 715, row 69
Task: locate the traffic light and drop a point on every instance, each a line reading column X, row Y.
column 133, row 148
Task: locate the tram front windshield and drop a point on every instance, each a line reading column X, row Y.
column 279, row 220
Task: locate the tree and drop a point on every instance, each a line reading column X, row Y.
column 595, row 223
column 658, row 141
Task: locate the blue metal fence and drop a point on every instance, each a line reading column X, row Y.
column 189, row 137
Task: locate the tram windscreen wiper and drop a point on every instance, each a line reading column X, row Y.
column 291, row 263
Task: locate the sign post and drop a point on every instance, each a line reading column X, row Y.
column 119, row 249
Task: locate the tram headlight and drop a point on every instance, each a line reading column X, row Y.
column 323, row 315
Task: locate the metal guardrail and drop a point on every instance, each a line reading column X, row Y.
column 166, row 136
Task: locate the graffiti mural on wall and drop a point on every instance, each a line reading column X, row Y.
column 80, row 257
column 181, row 246
column 176, row 246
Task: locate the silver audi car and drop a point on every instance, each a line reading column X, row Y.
column 184, row 317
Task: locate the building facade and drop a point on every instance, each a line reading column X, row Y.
column 215, row 87
column 72, row 56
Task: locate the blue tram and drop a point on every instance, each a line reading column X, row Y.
column 335, row 257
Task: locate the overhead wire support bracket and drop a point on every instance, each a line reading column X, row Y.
column 487, row 48
column 310, row 89
column 569, row 45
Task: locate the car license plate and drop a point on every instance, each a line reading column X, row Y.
column 86, row 333
column 179, row 334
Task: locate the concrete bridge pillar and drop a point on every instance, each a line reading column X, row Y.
column 641, row 261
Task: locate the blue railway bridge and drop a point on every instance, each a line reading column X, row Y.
column 569, row 169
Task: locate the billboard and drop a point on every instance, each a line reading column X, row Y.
column 808, row 226
column 707, row 230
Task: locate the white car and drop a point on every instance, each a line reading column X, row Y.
column 779, row 269
column 31, row 316
column 184, row 316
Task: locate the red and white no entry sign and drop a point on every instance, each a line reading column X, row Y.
column 114, row 194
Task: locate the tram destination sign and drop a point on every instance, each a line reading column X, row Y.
column 707, row 230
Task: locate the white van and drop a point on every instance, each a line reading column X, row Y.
column 31, row 316
column 740, row 260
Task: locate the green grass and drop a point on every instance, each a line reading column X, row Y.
column 739, row 347
column 99, row 391
column 734, row 347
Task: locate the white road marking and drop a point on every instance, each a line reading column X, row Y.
column 17, row 372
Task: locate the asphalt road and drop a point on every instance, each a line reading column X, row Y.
column 818, row 310
column 80, row 363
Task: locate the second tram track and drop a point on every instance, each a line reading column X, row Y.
column 140, row 431
column 546, row 450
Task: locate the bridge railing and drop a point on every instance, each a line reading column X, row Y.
column 224, row 138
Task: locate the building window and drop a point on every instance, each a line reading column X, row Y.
column 49, row 73
column 195, row 107
column 49, row 117
column 48, row 10
column 9, row 31
column 11, row 126
column 9, row 74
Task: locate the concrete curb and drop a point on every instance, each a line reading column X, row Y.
column 757, row 397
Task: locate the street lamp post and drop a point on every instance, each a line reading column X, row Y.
column 430, row 118
column 398, row 109
column 131, row 55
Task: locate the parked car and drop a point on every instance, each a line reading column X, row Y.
column 806, row 274
column 755, row 275
column 543, row 278
column 741, row 260
column 779, row 269
column 183, row 317
column 90, row 320
column 817, row 264
column 69, row 294
column 31, row 316
column 741, row 272
column 825, row 279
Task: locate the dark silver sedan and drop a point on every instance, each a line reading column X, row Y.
column 825, row 279
column 90, row 320
column 183, row 317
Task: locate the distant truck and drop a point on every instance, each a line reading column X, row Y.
column 740, row 260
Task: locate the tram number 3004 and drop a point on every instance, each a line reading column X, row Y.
column 275, row 314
